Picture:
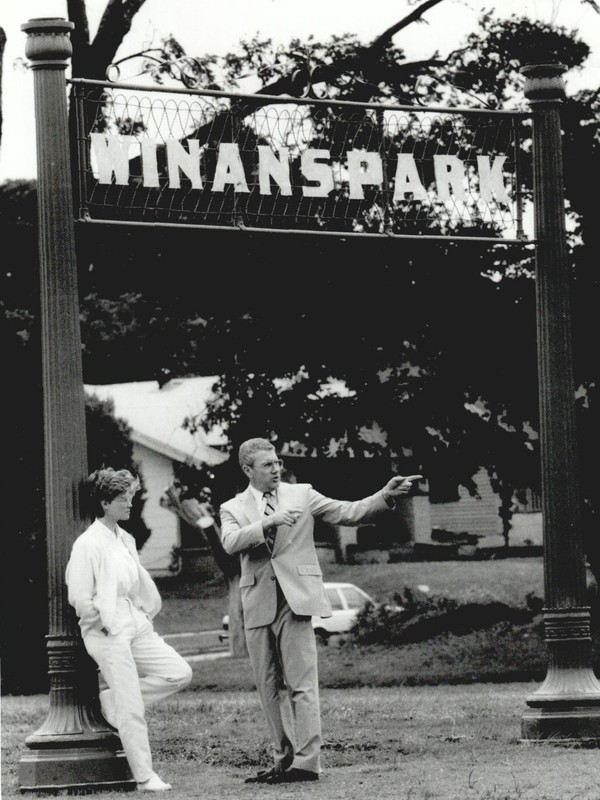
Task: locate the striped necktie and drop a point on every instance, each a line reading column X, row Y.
column 270, row 505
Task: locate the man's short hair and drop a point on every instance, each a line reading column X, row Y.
column 249, row 449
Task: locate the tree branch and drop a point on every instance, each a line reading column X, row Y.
column 414, row 16
column 367, row 58
column 191, row 511
column 80, row 35
column 371, row 53
column 114, row 26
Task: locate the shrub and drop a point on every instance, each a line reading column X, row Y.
column 22, row 643
column 415, row 618
column 109, row 444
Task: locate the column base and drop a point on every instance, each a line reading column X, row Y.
column 54, row 768
column 565, row 709
column 572, row 725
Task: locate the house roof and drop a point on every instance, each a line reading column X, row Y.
column 156, row 416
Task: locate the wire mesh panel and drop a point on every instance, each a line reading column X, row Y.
column 213, row 159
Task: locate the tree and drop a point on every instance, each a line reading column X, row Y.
column 484, row 69
column 191, row 502
column 24, row 660
column 441, row 392
column 109, row 445
column 412, row 357
column 92, row 57
column 425, row 384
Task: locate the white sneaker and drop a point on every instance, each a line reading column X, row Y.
column 154, row 784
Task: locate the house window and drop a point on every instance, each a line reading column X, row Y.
column 531, row 502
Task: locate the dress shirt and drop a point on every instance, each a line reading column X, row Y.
column 261, row 500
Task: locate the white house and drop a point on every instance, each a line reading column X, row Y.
column 156, row 415
column 480, row 515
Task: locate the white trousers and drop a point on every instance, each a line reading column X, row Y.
column 139, row 668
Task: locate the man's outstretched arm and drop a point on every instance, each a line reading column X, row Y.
column 344, row 512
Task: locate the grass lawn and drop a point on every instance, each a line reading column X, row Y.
column 495, row 655
column 431, row 720
column 401, row 743
column 500, row 653
column 507, row 580
column 195, row 606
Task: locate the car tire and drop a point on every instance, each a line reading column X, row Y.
column 322, row 636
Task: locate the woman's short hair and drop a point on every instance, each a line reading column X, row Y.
column 249, row 449
column 108, row 483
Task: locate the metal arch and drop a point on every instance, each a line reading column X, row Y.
column 185, row 69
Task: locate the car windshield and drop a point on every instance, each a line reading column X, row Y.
column 354, row 598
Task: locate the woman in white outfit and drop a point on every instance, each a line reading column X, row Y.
column 115, row 599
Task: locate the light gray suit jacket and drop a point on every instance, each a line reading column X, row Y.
column 293, row 563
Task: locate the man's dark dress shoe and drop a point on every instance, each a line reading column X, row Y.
column 292, row 776
column 262, row 776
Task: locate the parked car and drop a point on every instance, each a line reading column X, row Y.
column 346, row 601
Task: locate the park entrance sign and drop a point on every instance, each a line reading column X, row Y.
column 213, row 159
column 293, row 166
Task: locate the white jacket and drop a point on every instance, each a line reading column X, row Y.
column 93, row 578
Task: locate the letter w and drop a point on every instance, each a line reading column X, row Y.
column 112, row 156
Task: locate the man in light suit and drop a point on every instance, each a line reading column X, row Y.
column 271, row 525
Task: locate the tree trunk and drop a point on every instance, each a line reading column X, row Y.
column 237, row 638
column 2, row 45
column 506, row 512
column 229, row 565
column 231, row 568
column 338, row 548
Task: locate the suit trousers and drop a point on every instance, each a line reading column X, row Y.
column 284, row 662
column 139, row 668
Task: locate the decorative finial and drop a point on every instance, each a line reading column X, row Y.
column 544, row 83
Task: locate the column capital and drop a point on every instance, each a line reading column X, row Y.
column 48, row 42
column 544, row 83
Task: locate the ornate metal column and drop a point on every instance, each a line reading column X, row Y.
column 566, row 707
column 74, row 747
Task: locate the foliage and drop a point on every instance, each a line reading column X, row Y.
column 508, row 650
column 191, row 502
column 190, row 497
column 457, row 388
column 435, row 345
column 109, row 445
column 488, row 66
column 24, row 660
column 425, row 371
column 416, row 617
